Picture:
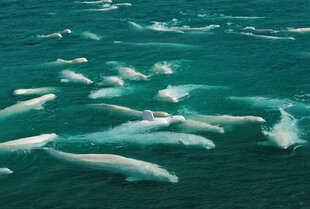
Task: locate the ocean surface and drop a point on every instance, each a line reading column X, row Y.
column 238, row 69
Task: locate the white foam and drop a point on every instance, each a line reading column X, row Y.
column 70, row 76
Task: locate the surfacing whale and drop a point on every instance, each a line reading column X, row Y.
column 43, row 90
column 70, row 76
column 126, row 110
column 74, row 61
column 136, row 170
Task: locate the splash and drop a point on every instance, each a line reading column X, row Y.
column 175, row 93
column 285, row 133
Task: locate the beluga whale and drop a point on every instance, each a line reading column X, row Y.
column 135, row 170
column 27, row 143
column 126, row 110
column 74, row 61
column 5, row 171
column 25, row 106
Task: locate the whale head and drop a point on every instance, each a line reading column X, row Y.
column 254, row 119
column 48, row 97
column 67, row 31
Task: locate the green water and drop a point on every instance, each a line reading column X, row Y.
column 237, row 173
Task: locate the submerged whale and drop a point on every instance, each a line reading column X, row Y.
column 110, row 92
column 70, row 76
column 5, row 171
column 113, row 80
column 25, row 106
column 198, row 29
column 74, row 61
column 128, row 111
column 226, row 120
column 105, row 9
column 27, row 143
column 52, row 35
column 136, row 170
column 43, row 90
column 193, row 125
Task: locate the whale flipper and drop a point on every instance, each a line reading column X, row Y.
column 148, row 115
column 132, row 178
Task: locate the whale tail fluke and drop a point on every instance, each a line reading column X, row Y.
column 148, row 115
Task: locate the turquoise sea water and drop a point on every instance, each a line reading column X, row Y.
column 237, row 173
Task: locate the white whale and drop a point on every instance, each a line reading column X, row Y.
column 110, row 92
column 283, row 134
column 67, row 31
column 5, row 171
column 127, row 111
column 300, row 30
column 199, row 28
column 27, row 143
column 136, row 25
column 25, row 106
column 193, row 125
column 96, row 2
column 70, row 76
column 136, row 170
column 263, row 31
column 74, row 61
column 43, row 90
column 162, row 68
column 226, row 120
column 123, row 4
column 113, row 80
column 175, row 93
column 105, row 9
column 268, row 37
column 52, row 35
column 130, row 73
column 90, row 35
